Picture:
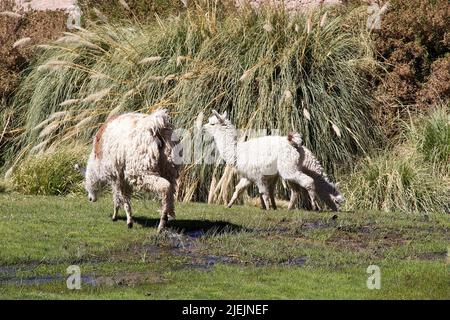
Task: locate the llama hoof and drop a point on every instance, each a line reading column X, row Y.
column 130, row 225
column 161, row 229
column 114, row 219
column 162, row 225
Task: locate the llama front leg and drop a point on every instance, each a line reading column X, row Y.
column 117, row 200
column 295, row 193
column 306, row 182
column 166, row 191
column 240, row 187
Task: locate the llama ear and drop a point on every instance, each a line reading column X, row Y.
column 80, row 169
column 218, row 116
column 199, row 121
column 224, row 115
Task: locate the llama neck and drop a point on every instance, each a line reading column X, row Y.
column 226, row 144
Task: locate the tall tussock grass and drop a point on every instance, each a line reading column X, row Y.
column 432, row 137
column 271, row 70
column 412, row 176
column 50, row 173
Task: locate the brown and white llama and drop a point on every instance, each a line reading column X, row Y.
column 131, row 151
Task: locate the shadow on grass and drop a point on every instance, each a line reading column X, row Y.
column 191, row 226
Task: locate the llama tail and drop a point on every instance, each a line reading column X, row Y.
column 159, row 123
column 295, row 139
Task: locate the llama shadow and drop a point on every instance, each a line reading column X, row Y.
column 190, row 226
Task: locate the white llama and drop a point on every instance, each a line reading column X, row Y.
column 134, row 150
column 263, row 160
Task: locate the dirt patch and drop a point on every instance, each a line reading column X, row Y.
column 188, row 246
column 206, row 262
column 352, row 242
column 394, row 239
column 313, row 225
column 284, row 226
column 363, row 237
column 44, row 4
column 433, row 255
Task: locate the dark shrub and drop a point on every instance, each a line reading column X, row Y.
column 414, row 34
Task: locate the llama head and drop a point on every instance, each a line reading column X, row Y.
column 218, row 123
column 224, row 134
column 92, row 184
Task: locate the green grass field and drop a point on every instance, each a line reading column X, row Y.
column 212, row 252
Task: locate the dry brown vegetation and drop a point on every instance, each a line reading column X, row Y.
column 141, row 10
column 40, row 27
column 414, row 40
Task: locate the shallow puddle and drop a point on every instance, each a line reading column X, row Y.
column 44, row 279
column 298, row 261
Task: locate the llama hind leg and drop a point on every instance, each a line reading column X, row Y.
column 293, row 199
column 241, row 186
column 127, row 208
column 123, row 196
column 166, row 191
column 263, row 205
column 306, row 182
column 272, row 184
column 264, row 194
column 265, row 201
column 116, row 209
